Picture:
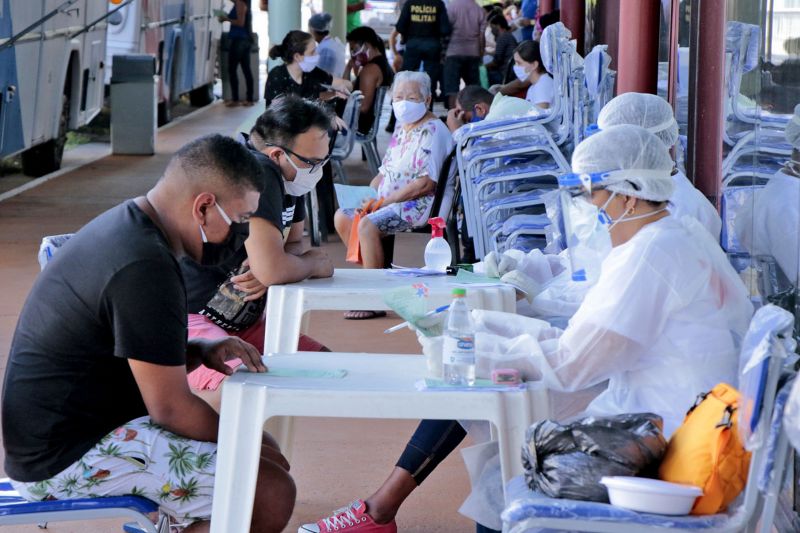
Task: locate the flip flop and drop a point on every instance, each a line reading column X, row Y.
column 363, row 315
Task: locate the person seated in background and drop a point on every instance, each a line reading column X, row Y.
column 329, row 48
column 528, row 67
column 768, row 225
column 95, row 396
column 505, row 45
column 370, row 66
column 472, row 105
column 228, row 296
column 299, row 73
column 663, row 322
column 655, row 115
column 407, row 177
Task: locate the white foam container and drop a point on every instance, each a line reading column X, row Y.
column 651, row 495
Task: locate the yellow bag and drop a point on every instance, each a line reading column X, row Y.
column 706, row 451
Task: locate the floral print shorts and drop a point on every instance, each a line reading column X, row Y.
column 143, row 459
column 385, row 219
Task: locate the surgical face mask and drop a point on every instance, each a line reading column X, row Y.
column 309, row 63
column 588, row 237
column 361, row 57
column 606, row 219
column 475, row 117
column 408, row 112
column 213, row 253
column 521, row 73
column 304, row 179
column 224, row 216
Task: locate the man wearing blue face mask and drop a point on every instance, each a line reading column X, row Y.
column 472, row 105
column 291, row 142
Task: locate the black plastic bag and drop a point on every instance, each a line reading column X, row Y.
column 567, row 461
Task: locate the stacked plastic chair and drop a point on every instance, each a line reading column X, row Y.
column 753, row 136
column 505, row 166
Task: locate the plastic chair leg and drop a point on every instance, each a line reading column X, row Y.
column 338, row 170
column 312, row 208
column 387, row 243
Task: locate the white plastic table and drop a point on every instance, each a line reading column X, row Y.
column 376, row 386
column 358, row 288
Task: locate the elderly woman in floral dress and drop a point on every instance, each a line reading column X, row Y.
column 406, row 180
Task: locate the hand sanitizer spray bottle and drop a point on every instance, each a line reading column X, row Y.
column 437, row 253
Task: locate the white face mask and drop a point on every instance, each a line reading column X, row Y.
column 309, row 63
column 408, row 112
column 521, row 73
column 304, row 180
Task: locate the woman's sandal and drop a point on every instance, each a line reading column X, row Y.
column 363, row 315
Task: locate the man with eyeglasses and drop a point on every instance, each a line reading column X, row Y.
column 95, row 399
column 228, row 297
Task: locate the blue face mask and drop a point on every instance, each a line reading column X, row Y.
column 475, row 117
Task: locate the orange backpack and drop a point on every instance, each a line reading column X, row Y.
column 706, row 451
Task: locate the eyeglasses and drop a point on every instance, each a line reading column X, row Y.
column 313, row 164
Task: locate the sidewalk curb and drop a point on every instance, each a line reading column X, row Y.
column 107, row 152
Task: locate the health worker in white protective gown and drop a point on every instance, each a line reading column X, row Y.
column 655, row 115
column 769, row 225
column 662, row 323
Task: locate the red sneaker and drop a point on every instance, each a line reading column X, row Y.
column 354, row 517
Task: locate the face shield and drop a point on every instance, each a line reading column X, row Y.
column 585, row 225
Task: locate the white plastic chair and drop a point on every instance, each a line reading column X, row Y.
column 346, row 139
column 765, row 348
column 369, row 141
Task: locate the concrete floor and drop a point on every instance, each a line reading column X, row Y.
column 335, row 461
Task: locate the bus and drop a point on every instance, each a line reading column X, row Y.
column 183, row 36
column 52, row 71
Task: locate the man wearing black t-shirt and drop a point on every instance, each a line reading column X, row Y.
column 95, row 398
column 290, row 140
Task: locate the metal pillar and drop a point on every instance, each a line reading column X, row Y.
column 573, row 15
column 284, row 16
column 706, row 89
column 637, row 49
column 338, row 9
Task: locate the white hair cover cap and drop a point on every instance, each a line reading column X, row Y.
column 641, row 156
column 792, row 131
column 649, row 111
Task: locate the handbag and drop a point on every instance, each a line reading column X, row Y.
column 706, row 451
column 353, row 242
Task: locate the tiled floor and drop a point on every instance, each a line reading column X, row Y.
column 334, row 461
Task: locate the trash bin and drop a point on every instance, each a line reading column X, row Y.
column 133, row 104
column 227, row 94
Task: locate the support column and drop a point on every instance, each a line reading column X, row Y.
column 573, row 15
column 338, row 9
column 706, row 89
column 637, row 49
column 284, row 16
column 545, row 7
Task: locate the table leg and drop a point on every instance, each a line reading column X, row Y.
column 238, row 454
column 284, row 316
column 282, row 430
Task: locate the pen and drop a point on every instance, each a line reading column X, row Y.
column 401, row 325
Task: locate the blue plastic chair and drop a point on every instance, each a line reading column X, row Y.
column 16, row 510
column 762, row 413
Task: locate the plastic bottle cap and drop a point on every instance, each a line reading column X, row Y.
column 459, row 293
column 437, row 227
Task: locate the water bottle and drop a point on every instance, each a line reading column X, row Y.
column 458, row 354
column 437, row 252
